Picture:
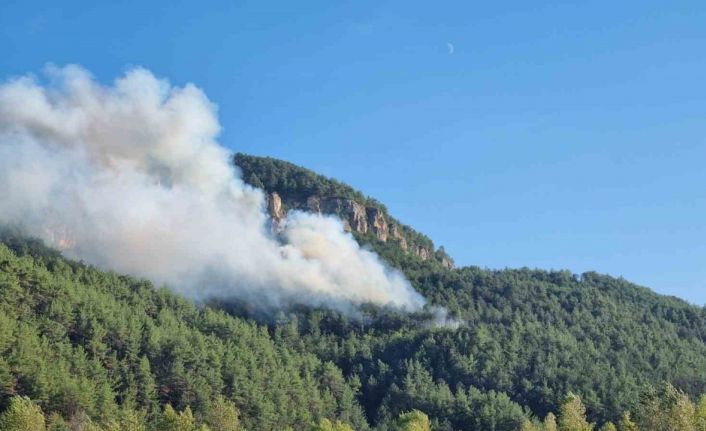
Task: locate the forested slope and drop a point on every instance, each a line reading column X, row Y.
column 90, row 347
column 83, row 343
column 77, row 340
column 534, row 335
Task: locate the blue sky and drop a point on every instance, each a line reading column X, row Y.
column 540, row 134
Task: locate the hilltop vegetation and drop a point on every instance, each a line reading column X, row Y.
column 93, row 347
column 295, row 185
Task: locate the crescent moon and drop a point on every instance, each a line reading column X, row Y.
column 450, row 47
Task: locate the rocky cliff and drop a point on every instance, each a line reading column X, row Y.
column 357, row 218
column 289, row 187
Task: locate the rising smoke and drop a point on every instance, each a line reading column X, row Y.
column 130, row 177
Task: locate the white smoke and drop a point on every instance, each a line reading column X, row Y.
column 130, row 177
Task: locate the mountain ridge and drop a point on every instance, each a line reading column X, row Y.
column 288, row 186
column 300, row 196
column 82, row 342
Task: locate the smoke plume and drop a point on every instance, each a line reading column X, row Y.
column 130, row 177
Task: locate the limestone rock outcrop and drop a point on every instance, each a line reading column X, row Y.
column 422, row 252
column 313, row 204
column 447, row 263
column 274, row 206
column 377, row 223
column 290, row 187
column 356, row 217
column 353, row 214
column 397, row 236
column 349, row 210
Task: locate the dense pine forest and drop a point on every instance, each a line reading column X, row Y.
column 83, row 349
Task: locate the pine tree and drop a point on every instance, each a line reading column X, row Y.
column 700, row 414
column 527, row 425
column 224, row 416
column 549, row 423
column 327, row 425
column 81, row 421
column 626, row 424
column 572, row 415
column 22, row 415
column 172, row 420
column 146, row 396
column 413, row 421
column 130, row 420
column 666, row 408
column 683, row 414
column 55, row 422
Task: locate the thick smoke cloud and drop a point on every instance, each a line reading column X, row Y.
column 130, row 177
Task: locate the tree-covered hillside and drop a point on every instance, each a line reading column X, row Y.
column 534, row 335
column 295, row 185
column 79, row 341
column 89, row 347
column 98, row 350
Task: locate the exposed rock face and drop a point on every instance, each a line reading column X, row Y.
column 378, row 224
column 349, row 210
column 313, row 204
column 276, row 212
column 397, row 236
column 422, row 252
column 356, row 218
column 357, row 213
column 447, row 263
column 444, row 258
column 274, row 206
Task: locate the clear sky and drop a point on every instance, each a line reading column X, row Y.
column 525, row 133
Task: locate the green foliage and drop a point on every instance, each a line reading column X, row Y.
column 626, row 423
column 661, row 408
column 90, row 345
column 97, row 349
column 413, row 421
column 528, row 425
column 291, row 182
column 531, row 334
column 327, row 425
column 700, row 414
column 549, row 423
column 81, row 421
column 172, row 420
column 55, row 422
column 295, row 185
column 666, row 408
column 129, row 420
column 22, row 415
column 223, row 416
column 572, row 415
